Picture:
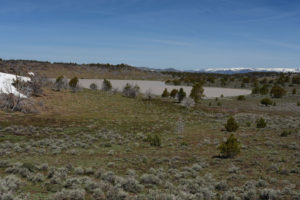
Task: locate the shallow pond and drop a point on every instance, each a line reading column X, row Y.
column 157, row 87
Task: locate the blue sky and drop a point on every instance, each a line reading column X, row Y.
column 184, row 34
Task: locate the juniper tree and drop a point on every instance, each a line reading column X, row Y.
column 173, row 93
column 277, row 91
column 165, row 93
column 73, row 83
column 266, row 101
column 231, row 125
column 264, row 90
column 230, row 148
column 181, row 94
column 106, row 85
column 261, row 123
column 197, row 92
column 60, row 83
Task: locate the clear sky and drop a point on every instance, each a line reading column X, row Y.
column 184, row 34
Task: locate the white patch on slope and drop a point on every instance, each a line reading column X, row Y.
column 6, row 81
column 30, row 73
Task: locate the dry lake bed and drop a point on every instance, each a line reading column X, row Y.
column 157, row 87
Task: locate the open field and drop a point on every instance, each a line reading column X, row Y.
column 91, row 144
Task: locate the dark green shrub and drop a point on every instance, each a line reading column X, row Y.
column 165, row 93
column 277, row 91
column 294, row 91
column 231, row 125
column 31, row 167
column 219, row 104
column 181, row 94
column 248, row 124
column 285, row 133
column 266, row 101
column 230, row 148
column 241, row 98
column 264, row 90
column 261, row 123
column 154, row 140
column 173, row 93
column 296, row 79
column 184, row 143
column 298, row 103
column 106, row 85
column 59, row 78
column 107, row 145
column 60, row 83
column 255, row 90
column 73, row 83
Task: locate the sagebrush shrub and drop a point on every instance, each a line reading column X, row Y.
column 130, row 90
column 187, row 102
column 132, row 185
column 109, row 176
column 79, row 170
column 230, row 148
column 149, row 95
column 149, row 179
column 231, row 125
column 36, row 86
column 269, row 194
column 11, row 102
column 75, row 194
column 93, row 86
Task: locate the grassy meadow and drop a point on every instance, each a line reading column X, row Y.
column 93, row 145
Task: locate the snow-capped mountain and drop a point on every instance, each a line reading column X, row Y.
column 247, row 70
column 237, row 70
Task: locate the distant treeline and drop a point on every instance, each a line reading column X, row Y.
column 190, row 78
column 98, row 65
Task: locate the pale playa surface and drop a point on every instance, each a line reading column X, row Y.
column 157, row 87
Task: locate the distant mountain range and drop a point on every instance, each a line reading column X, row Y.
column 230, row 70
column 247, row 70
